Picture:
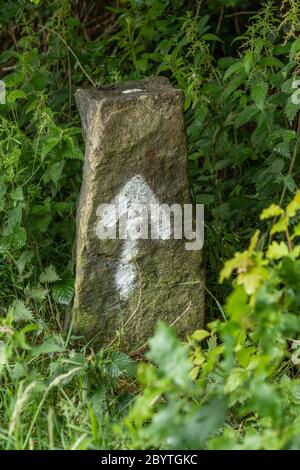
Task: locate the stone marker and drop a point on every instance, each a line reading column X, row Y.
column 135, row 151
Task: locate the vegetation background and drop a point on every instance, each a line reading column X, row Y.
column 234, row 385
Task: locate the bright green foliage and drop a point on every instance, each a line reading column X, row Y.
column 233, row 385
column 236, row 385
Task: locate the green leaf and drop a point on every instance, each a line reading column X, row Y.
column 170, row 355
column 54, row 172
column 49, row 145
column 277, row 250
column 63, row 291
column 211, row 37
column 38, row 293
column 272, row 211
column 21, row 312
column 51, row 345
column 17, row 194
column 49, row 275
column 271, row 62
column 295, row 47
column 121, row 364
column 245, row 116
column 199, row 335
column 233, row 68
column 291, row 110
column 236, row 378
column 248, row 62
column 15, row 95
column 259, row 93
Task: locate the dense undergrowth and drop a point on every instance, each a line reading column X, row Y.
column 234, row 384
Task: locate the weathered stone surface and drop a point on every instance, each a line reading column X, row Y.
column 134, row 133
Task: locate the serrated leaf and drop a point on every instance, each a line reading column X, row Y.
column 121, row 364
column 233, row 68
column 259, row 93
column 63, row 291
column 236, row 379
column 232, row 86
column 15, row 95
column 49, row 275
column 54, row 172
column 49, row 145
column 21, row 312
column 291, row 110
column 170, row 355
column 271, row 62
column 245, row 116
column 38, row 293
column 248, row 62
column 17, row 194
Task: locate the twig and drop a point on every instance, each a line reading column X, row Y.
column 72, row 52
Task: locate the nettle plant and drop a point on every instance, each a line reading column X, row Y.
column 39, row 180
column 235, row 385
column 244, row 130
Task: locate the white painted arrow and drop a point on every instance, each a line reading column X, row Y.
column 135, row 194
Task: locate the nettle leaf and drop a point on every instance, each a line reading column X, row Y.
column 49, row 275
column 233, row 68
column 49, row 145
column 291, row 109
column 54, row 172
column 170, row 355
column 245, row 116
column 15, row 95
column 121, row 364
column 14, row 219
column 19, row 237
column 50, row 346
column 17, row 194
column 24, row 260
column 232, row 86
column 70, row 150
column 14, row 79
column 236, row 378
column 259, row 93
column 211, row 37
column 287, row 86
column 62, row 292
column 248, row 62
column 21, row 312
column 271, row 62
column 38, row 293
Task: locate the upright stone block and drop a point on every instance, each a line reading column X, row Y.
column 135, row 149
